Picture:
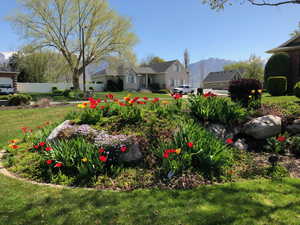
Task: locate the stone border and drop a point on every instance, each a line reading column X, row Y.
column 7, row 173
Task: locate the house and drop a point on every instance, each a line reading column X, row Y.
column 165, row 75
column 292, row 48
column 220, row 80
column 8, row 79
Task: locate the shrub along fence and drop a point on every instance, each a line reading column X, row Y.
column 47, row 87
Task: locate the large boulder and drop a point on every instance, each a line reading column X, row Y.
column 294, row 128
column 263, row 127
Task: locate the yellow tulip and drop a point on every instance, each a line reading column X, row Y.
column 253, row 91
column 84, row 160
column 178, row 151
column 250, row 96
column 259, row 91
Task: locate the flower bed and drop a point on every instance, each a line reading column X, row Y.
column 135, row 142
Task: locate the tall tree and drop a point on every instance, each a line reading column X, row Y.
column 59, row 23
column 151, row 59
column 219, row 4
column 251, row 68
column 296, row 32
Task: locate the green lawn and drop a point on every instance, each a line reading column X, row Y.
column 13, row 120
column 251, row 202
column 37, row 96
column 267, row 98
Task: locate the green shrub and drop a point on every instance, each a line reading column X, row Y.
column 277, row 65
column 295, row 145
column 19, row 99
column 76, row 95
column 245, row 91
column 216, row 109
column 297, row 89
column 57, row 92
column 277, row 85
column 66, row 93
column 194, row 148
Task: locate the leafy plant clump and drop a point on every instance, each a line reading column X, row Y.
column 19, row 99
column 297, row 89
column 192, row 148
column 216, row 109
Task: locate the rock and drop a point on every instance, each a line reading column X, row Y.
column 133, row 154
column 294, row 128
column 240, row 144
column 55, row 133
column 116, row 141
column 263, row 127
column 220, row 131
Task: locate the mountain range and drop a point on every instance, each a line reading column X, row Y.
column 199, row 70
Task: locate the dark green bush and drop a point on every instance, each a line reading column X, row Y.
column 277, row 85
column 245, row 91
column 295, row 146
column 19, row 99
column 66, row 93
column 216, row 109
column 277, row 65
column 297, row 89
column 76, row 95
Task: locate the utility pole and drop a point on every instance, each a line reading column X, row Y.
column 83, row 59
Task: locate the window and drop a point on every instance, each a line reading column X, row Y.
column 131, row 78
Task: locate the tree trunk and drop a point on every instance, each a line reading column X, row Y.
column 76, row 75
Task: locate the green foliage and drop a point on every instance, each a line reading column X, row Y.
column 277, row 65
column 246, row 91
column 62, row 179
column 150, row 60
column 297, row 89
column 76, row 95
column 277, row 171
column 207, row 154
column 295, row 145
column 19, row 99
column 277, row 85
column 216, row 109
column 252, row 68
column 278, row 145
column 63, row 34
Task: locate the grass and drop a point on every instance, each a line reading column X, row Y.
column 251, row 202
column 13, row 120
column 37, row 96
column 267, row 98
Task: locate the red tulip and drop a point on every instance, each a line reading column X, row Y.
column 42, row 144
column 229, row 141
column 48, row 149
column 58, row 165
column 190, row 144
column 103, row 158
column 123, row 149
column 36, row 146
column 49, row 162
column 166, row 155
column 281, row 139
column 101, row 150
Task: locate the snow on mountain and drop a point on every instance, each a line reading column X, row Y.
column 199, row 70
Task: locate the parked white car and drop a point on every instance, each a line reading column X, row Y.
column 183, row 89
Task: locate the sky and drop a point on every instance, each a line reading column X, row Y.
column 167, row 27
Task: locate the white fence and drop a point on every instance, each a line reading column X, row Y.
column 47, row 87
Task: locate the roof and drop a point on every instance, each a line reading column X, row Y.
column 290, row 45
column 221, row 76
column 155, row 68
column 106, row 72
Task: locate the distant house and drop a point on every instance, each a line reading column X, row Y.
column 166, row 75
column 8, row 78
column 220, row 80
column 292, row 48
